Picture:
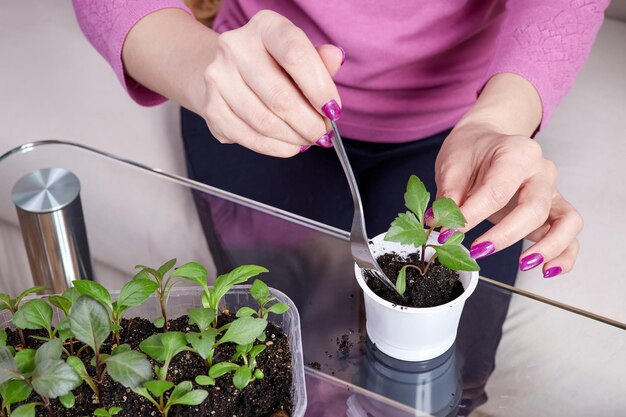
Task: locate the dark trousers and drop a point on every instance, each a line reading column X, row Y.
column 313, row 184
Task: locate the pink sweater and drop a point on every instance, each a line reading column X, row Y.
column 413, row 67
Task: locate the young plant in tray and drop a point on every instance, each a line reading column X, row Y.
column 261, row 293
column 90, row 323
column 410, row 228
column 42, row 371
column 13, row 305
column 107, row 412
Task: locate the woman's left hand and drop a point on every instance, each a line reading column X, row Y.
column 505, row 179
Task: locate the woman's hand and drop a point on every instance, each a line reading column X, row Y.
column 263, row 86
column 266, row 86
column 506, row 179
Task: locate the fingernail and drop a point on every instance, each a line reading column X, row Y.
column 343, row 55
column 445, row 235
column 530, row 261
column 332, row 110
column 325, row 141
column 304, row 148
column 428, row 216
column 551, row 272
column 482, row 249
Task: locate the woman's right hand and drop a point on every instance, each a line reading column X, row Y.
column 266, row 85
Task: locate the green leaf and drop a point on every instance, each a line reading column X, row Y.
column 63, row 329
column 49, row 350
column 201, row 317
column 30, row 291
column 26, row 410
column 142, row 391
column 184, row 395
column 131, row 369
column 95, row 291
column 456, row 258
column 54, row 378
column 164, row 346
column 135, row 292
column 222, row 368
column 3, row 338
column 455, row 239
column 78, row 366
column 202, row 342
column 60, row 302
column 416, row 197
column 245, row 312
column 159, row 322
column 256, row 351
column 165, row 268
column 115, row 410
column 242, row 377
column 260, row 291
column 25, row 361
column 447, row 214
column 7, row 365
column 71, row 294
column 401, row 281
column 101, row 412
column 205, row 380
column 90, row 322
column 407, row 230
column 143, row 274
column 120, row 348
column 278, row 308
column 192, row 271
column 5, row 302
column 258, row 374
column 14, row 391
column 34, row 314
column 239, row 275
column 244, row 330
column 158, row 388
column 68, row 400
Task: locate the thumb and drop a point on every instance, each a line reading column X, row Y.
column 332, row 56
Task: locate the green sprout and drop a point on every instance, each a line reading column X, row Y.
column 243, row 374
column 182, row 393
column 13, row 305
column 410, row 229
column 90, row 324
column 163, row 288
column 107, row 412
column 42, row 371
column 261, row 293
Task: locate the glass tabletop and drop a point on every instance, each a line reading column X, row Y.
column 516, row 354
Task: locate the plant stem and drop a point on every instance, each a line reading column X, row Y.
column 20, row 333
column 432, row 258
column 163, row 310
column 99, row 377
column 46, row 403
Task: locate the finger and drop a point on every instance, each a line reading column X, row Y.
column 295, row 53
column 564, row 228
column 228, row 128
column 562, row 263
column 534, row 201
column 279, row 94
column 332, row 56
column 501, row 182
column 249, row 108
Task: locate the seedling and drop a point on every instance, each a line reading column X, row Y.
column 410, row 229
column 132, row 294
column 13, row 392
column 90, row 323
column 202, row 342
column 107, row 412
column 163, row 287
column 42, row 371
column 244, row 374
column 13, row 305
column 163, row 347
column 261, row 293
column 35, row 315
column 182, row 393
column 211, row 297
column 243, row 331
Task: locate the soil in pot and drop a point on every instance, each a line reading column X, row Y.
column 268, row 397
column 439, row 286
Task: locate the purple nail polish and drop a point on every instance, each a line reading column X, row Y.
column 325, row 141
column 304, row 148
column 428, row 216
column 343, row 55
column 445, row 235
column 551, row 272
column 482, row 249
column 332, row 110
column 530, row 261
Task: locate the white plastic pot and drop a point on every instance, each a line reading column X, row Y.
column 408, row 333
